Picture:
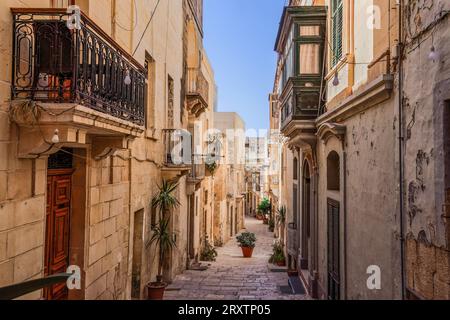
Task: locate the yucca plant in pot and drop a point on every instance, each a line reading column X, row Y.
column 164, row 241
column 162, row 237
column 247, row 242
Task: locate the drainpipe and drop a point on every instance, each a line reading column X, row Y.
column 401, row 146
column 344, row 156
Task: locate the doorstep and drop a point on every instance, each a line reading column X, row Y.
column 274, row 268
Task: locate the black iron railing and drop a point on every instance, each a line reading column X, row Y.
column 53, row 63
column 197, row 172
column 197, row 84
column 176, row 142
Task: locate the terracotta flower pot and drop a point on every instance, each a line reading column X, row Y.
column 281, row 263
column 155, row 290
column 247, row 252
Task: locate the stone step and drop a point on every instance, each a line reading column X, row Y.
column 296, row 285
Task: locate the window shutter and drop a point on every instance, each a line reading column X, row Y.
column 337, row 24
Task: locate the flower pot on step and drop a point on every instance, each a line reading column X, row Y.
column 281, row 263
column 155, row 290
column 247, row 252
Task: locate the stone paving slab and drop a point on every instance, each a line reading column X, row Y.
column 233, row 277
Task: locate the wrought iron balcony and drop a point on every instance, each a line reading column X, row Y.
column 55, row 64
column 175, row 153
column 197, row 173
column 197, row 92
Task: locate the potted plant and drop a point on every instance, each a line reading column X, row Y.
column 162, row 237
column 271, row 225
column 281, row 217
column 211, row 167
column 208, row 252
column 278, row 257
column 247, row 242
column 164, row 240
column 264, row 209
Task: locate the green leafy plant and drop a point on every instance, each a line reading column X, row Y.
column 208, row 252
column 271, row 225
column 164, row 240
column 246, row 239
column 211, row 167
column 281, row 217
column 264, row 206
column 164, row 199
column 277, row 253
column 218, row 242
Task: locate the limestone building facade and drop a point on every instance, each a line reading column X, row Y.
column 364, row 171
column 229, row 177
column 87, row 136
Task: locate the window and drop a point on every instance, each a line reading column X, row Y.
column 295, row 169
column 336, row 29
column 333, row 181
column 62, row 3
column 150, row 91
column 294, row 206
column 170, row 104
column 309, row 58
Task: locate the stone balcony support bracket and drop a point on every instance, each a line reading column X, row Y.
column 77, row 126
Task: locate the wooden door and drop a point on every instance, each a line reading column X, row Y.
column 59, row 183
column 334, row 276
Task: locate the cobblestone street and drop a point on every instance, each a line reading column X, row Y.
column 233, row 277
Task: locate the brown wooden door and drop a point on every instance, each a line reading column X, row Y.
column 334, row 276
column 59, row 183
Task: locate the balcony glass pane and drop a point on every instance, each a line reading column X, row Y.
column 309, row 58
column 309, row 31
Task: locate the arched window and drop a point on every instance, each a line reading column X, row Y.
column 295, row 168
column 333, row 174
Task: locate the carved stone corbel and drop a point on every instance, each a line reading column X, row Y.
column 330, row 129
column 104, row 146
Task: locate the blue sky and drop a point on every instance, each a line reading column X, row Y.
column 239, row 36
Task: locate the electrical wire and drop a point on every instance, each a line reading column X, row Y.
column 146, row 28
column 53, row 145
column 135, row 22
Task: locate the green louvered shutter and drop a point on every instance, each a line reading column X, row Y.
column 337, row 24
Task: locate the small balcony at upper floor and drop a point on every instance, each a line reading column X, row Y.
column 301, row 46
column 77, row 80
column 197, row 92
column 198, row 170
column 177, row 153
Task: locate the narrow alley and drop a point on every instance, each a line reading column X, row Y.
column 233, row 277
